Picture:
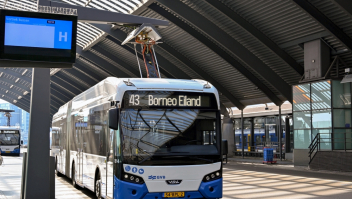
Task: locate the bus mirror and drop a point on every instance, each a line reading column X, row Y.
column 113, row 118
column 21, row 142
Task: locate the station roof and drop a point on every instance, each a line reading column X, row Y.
column 251, row 51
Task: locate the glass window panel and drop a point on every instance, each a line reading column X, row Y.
column 259, row 131
column 341, row 94
column 301, row 97
column 238, row 131
column 302, row 120
column 321, row 119
column 342, row 118
column 302, row 139
column 342, row 137
column 321, row 95
column 325, row 138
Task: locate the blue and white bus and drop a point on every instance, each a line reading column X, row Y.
column 142, row 138
column 10, row 140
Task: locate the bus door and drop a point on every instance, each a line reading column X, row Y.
column 110, row 164
column 79, row 130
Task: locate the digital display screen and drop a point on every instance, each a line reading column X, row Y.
column 40, row 33
column 9, row 131
column 35, row 36
column 168, row 99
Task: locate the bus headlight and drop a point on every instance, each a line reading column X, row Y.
column 212, row 176
column 132, row 178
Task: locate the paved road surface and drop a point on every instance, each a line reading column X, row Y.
column 240, row 181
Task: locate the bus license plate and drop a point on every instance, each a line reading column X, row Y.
column 7, row 151
column 174, row 194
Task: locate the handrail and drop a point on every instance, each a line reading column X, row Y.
column 330, row 142
column 314, row 146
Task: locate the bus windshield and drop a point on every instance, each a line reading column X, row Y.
column 170, row 136
column 9, row 137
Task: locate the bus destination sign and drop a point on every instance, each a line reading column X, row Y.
column 168, row 99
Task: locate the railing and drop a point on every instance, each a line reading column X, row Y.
column 329, row 142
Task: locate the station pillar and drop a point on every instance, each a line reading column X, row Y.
column 37, row 182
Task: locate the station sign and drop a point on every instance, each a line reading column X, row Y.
column 33, row 36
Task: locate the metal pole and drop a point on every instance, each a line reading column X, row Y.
column 37, row 182
column 140, row 70
column 242, row 133
column 156, row 61
column 280, row 138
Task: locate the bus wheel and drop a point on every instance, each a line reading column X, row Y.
column 73, row 176
column 98, row 187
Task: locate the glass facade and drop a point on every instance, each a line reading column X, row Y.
column 260, row 132
column 312, row 112
column 323, row 107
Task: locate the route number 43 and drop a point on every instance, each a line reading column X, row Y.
column 134, row 99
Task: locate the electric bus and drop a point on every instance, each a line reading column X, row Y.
column 141, row 139
column 10, row 140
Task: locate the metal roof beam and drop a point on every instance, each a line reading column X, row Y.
column 88, row 71
column 102, row 63
column 56, row 91
column 344, row 5
column 68, row 88
column 11, row 99
column 92, row 15
column 166, row 67
column 125, row 65
column 15, row 83
column 202, row 73
column 325, row 22
column 16, row 74
column 81, row 76
column 74, row 84
column 250, row 29
column 6, row 84
column 11, row 90
column 305, row 39
column 216, row 49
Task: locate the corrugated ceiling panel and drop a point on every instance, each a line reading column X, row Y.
column 343, row 20
column 281, row 21
column 247, row 40
column 205, row 58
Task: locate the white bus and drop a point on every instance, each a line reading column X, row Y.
column 142, row 138
column 10, row 140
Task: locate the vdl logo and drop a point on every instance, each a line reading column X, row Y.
column 155, row 177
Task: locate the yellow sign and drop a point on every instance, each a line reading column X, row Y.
column 174, row 194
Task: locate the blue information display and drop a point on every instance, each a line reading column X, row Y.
column 38, row 37
column 35, row 32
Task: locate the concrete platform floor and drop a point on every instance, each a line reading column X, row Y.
column 244, row 179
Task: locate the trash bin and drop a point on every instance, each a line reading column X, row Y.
column 268, row 154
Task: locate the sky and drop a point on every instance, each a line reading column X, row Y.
column 3, row 101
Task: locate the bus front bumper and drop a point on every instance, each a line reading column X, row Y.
column 212, row 189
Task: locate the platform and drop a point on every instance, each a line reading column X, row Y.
column 242, row 179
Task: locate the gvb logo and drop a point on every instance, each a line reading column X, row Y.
column 155, row 177
column 63, row 36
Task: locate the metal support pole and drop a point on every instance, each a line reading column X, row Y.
column 287, row 135
column 37, row 184
column 242, row 134
column 280, row 135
